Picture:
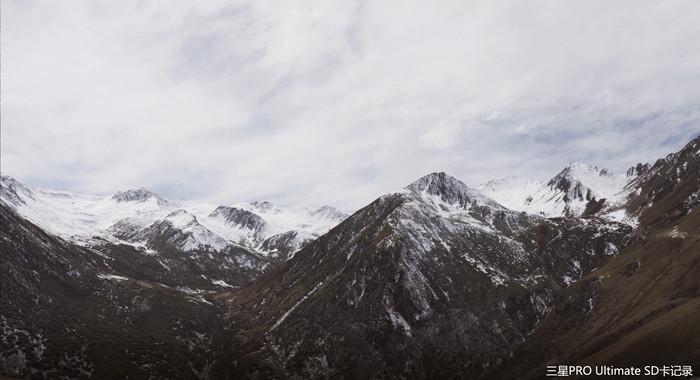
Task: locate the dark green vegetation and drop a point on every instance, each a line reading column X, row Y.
column 434, row 281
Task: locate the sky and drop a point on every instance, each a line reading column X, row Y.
column 309, row 103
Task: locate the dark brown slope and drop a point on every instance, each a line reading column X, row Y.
column 671, row 186
column 61, row 316
column 400, row 291
column 642, row 307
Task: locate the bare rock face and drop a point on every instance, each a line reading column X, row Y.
column 239, row 217
column 636, row 171
column 138, row 195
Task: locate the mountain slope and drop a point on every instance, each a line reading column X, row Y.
column 641, row 307
column 122, row 286
column 668, row 190
column 432, row 280
column 65, row 313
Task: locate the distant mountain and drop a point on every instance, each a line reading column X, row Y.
column 141, row 217
column 578, row 190
column 118, row 286
column 436, row 280
column 140, row 195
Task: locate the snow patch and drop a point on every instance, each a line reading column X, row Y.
column 291, row 309
column 222, row 283
column 674, row 233
column 610, row 248
column 397, row 319
column 112, row 277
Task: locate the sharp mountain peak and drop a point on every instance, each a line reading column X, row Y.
column 439, row 183
column 577, row 169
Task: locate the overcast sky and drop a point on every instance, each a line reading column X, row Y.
column 310, row 103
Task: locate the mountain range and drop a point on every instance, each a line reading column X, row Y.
column 434, row 280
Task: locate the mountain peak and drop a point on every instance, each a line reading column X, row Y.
column 638, row 170
column 263, row 206
column 9, row 190
column 510, row 182
column 240, row 217
column 448, row 188
column 584, row 183
column 435, row 183
column 570, row 181
column 328, row 212
column 182, row 218
column 578, row 169
column 137, row 195
column 7, row 179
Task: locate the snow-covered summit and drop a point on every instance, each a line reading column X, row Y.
column 129, row 216
column 10, row 190
column 449, row 190
column 327, row 212
column 569, row 192
column 438, row 212
column 511, row 191
column 181, row 218
column 264, row 206
column 138, row 195
column 181, row 228
column 240, row 218
column 585, row 182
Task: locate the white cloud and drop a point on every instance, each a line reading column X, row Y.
column 309, row 103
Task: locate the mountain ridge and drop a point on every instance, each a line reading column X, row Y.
column 398, row 270
column 123, row 218
column 578, row 190
column 433, row 280
column 641, row 307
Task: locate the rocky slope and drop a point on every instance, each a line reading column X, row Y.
column 642, row 306
column 433, row 280
column 66, row 314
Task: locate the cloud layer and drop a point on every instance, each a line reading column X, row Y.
column 309, row 103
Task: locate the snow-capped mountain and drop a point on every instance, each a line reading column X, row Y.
column 436, row 280
column 649, row 289
column 434, row 268
column 138, row 217
column 578, row 190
